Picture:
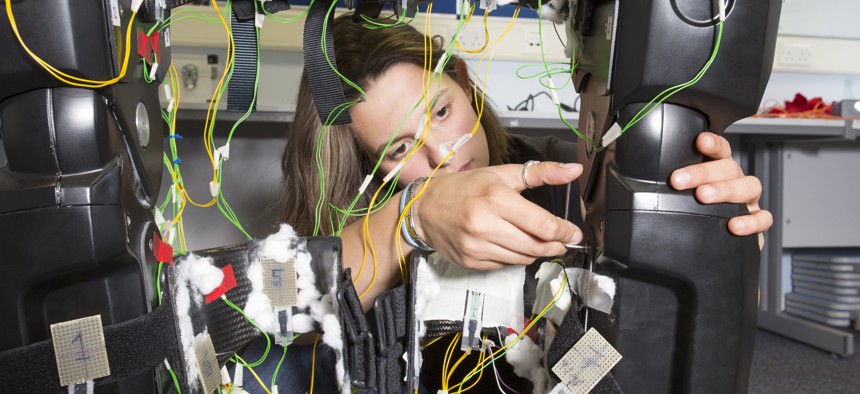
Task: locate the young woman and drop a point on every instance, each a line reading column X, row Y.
column 472, row 211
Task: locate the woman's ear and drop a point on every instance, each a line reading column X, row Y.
column 462, row 76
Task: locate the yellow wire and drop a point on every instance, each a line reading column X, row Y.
column 432, row 342
column 266, row 389
column 71, row 79
column 454, row 368
column 314, row 363
column 486, row 36
column 212, row 109
column 408, row 206
column 449, row 352
column 480, row 374
column 527, row 328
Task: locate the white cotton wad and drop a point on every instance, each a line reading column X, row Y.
column 331, row 332
column 203, row 275
column 259, row 309
column 199, row 273
column 525, row 356
column 278, row 245
column 258, row 306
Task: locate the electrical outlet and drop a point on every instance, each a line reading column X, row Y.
column 795, row 54
column 472, row 38
column 531, row 42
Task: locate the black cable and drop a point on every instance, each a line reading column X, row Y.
column 529, row 103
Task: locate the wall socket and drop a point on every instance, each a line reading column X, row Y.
column 795, row 54
column 531, row 42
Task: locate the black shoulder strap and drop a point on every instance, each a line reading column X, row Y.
column 324, row 83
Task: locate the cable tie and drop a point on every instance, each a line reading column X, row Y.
column 225, row 376
column 462, row 141
column 258, row 20
column 135, row 5
column 395, row 170
column 213, row 188
column 553, row 93
column 722, row 10
column 421, row 124
column 153, row 70
column 177, row 161
column 167, row 93
column 611, row 135
column 170, row 105
column 176, row 136
column 364, row 184
column 238, row 375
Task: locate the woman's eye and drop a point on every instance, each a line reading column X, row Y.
column 442, row 112
column 399, row 151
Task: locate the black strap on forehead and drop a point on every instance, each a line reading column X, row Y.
column 322, row 79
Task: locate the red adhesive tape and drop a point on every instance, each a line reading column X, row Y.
column 162, row 251
column 227, row 283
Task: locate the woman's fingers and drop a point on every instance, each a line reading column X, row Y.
column 743, row 190
column 758, row 221
column 699, row 174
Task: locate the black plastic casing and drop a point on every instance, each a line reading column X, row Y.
column 77, row 189
column 685, row 312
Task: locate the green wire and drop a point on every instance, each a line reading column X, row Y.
column 281, row 20
column 278, row 367
column 175, row 381
column 158, row 282
column 660, row 98
column 253, row 323
column 167, row 22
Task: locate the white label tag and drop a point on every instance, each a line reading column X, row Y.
column 114, row 13
column 258, row 21
column 166, row 37
column 586, row 362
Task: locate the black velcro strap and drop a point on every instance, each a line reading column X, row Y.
column 133, row 347
column 240, row 90
column 391, row 324
column 324, row 82
column 360, row 353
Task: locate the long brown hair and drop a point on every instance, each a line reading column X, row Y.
column 362, row 55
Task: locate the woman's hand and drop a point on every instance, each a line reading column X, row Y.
column 721, row 180
column 479, row 219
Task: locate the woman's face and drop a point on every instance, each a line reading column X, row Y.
column 390, row 98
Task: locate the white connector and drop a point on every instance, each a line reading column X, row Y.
column 168, row 94
column 225, row 376
column 364, row 184
column 440, row 66
column 225, row 151
column 170, row 106
column 611, row 135
column 421, row 124
column 153, row 70
column 159, row 218
column 553, row 93
column 722, row 10
column 135, row 5
column 393, row 172
column 258, row 21
column 460, row 142
column 238, row 375
column 213, row 188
